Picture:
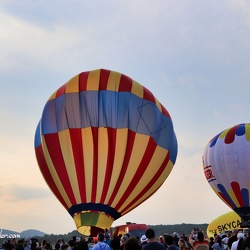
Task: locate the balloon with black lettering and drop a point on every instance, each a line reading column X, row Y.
column 225, row 222
column 226, row 164
column 104, row 145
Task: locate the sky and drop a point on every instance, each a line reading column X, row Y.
column 193, row 55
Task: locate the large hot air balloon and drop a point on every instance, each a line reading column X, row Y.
column 226, row 163
column 104, row 145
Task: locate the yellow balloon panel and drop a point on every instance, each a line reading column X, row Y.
column 227, row 221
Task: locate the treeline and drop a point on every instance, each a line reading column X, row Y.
column 52, row 238
column 159, row 230
column 178, row 228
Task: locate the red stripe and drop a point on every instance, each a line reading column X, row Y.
column 104, row 76
column 231, row 135
column 209, row 166
column 61, row 90
column 130, row 143
column 83, row 79
column 139, row 172
column 95, row 162
column 164, row 111
column 236, row 188
column 76, row 141
column 147, row 95
column 53, row 144
column 47, row 176
column 125, row 84
column 110, row 162
column 148, row 186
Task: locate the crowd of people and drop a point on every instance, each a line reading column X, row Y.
column 197, row 240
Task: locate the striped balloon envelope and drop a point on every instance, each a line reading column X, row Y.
column 104, row 144
column 226, row 164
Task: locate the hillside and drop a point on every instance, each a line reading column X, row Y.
column 32, row 233
column 6, row 234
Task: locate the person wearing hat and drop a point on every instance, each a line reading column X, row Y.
column 246, row 242
column 143, row 240
column 238, row 242
column 176, row 238
column 100, row 245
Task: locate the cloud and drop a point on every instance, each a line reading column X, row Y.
column 30, row 49
column 22, row 193
column 192, row 80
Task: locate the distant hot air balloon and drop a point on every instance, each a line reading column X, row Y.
column 225, row 222
column 104, row 145
column 226, row 163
